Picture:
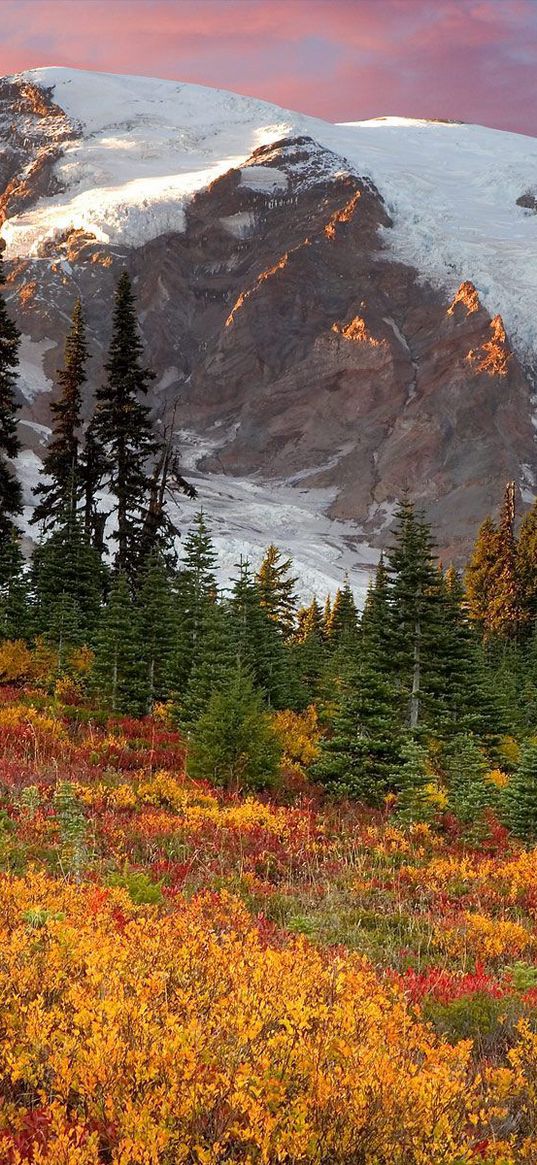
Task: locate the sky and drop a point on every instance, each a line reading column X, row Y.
column 343, row 60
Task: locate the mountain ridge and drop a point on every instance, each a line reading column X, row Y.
column 296, row 296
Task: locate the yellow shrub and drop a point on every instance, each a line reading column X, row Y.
column 299, row 735
column 199, row 1043
column 15, row 661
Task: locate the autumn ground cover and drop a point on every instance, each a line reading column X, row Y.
column 190, row 975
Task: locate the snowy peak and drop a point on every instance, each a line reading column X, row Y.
column 131, row 152
column 334, row 312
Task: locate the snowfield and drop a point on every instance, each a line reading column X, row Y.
column 148, row 145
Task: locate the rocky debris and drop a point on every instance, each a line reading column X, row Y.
column 528, row 200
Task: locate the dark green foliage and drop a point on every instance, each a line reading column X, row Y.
column 10, row 489
column 413, row 777
column 60, row 495
column 375, row 621
column 276, row 587
column 93, row 468
column 360, row 756
column 68, row 580
column 308, row 649
column 469, row 794
column 119, row 675
column 261, row 647
column 16, row 621
column 122, row 429
column 194, row 591
column 521, row 798
column 342, row 620
column 154, row 605
column 214, row 663
column 489, row 1022
column 416, row 612
column 233, row 743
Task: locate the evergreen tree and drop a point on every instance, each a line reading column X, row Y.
column 308, row 647
column 417, row 611
column 413, row 777
column 492, row 580
column 60, row 495
column 93, row 470
column 527, row 569
column 375, row 621
column 327, row 616
column 479, row 577
column 504, row 611
column 521, row 798
column 15, row 606
column 469, row 795
column 194, row 591
column 233, row 743
column 342, row 624
column 10, row 488
column 214, row 663
column 122, row 427
column 154, row 605
column 360, row 756
column 119, row 676
column 276, row 588
column 68, row 581
column 261, row 647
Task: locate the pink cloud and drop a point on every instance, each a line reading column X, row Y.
column 473, row 60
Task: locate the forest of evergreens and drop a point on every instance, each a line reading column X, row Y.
column 438, row 674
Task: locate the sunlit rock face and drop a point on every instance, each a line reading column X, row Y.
column 291, row 344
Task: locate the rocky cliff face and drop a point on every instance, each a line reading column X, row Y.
column 287, row 339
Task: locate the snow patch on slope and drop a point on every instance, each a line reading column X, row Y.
column 32, row 379
column 146, row 147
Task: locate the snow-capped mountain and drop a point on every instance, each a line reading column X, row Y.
column 335, row 311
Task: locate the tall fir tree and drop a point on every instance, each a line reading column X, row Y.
column 342, row 623
column 521, row 797
column 416, row 614
column 194, row 590
column 154, row 604
column 214, row 664
column 492, row 578
column 480, row 573
column 504, row 614
column 375, row 640
column 261, row 646
column 16, row 615
column 61, row 464
column 276, row 585
column 308, row 647
column 122, row 428
column 363, row 750
column 527, row 570
column 10, row 487
column 119, row 677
